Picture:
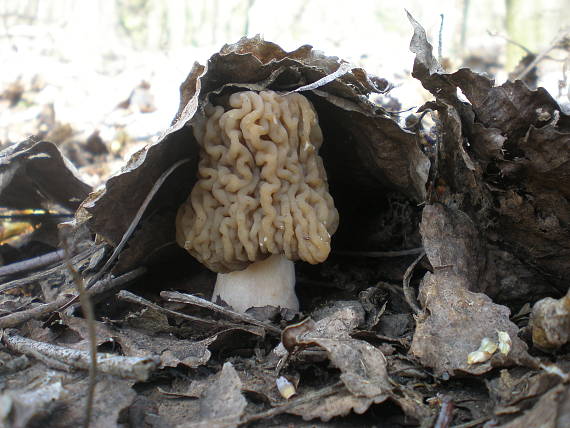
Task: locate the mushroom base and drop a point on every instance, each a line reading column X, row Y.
column 267, row 282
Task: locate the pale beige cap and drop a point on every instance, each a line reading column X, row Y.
column 262, row 188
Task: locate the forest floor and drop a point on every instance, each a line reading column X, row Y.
column 444, row 301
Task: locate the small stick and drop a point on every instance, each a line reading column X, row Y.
column 133, row 298
column 508, row 40
column 22, row 282
column 445, row 413
column 541, row 55
column 90, row 318
column 33, row 263
column 440, row 39
column 381, row 254
column 138, row 368
column 17, row 318
column 307, row 398
column 107, row 285
column 408, row 292
column 189, row 299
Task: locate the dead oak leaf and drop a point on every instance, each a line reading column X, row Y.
column 457, row 321
column 222, row 403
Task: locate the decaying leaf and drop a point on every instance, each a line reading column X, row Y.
column 513, row 389
column 339, row 404
column 457, row 319
column 138, row 343
column 362, row 366
column 112, row 395
column 222, row 403
column 550, row 321
column 552, row 410
column 20, row 408
column 509, row 147
column 35, row 175
column 40, row 397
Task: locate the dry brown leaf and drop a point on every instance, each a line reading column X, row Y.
column 18, row 408
column 30, row 166
column 112, row 395
column 550, row 321
column 509, row 147
column 551, row 411
column 364, row 145
column 339, row 404
column 222, row 403
column 362, row 366
column 457, row 319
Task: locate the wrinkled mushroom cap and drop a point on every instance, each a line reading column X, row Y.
column 262, row 188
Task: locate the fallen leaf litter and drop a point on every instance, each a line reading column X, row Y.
column 489, row 214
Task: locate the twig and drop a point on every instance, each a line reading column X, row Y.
column 381, row 254
column 17, row 318
column 440, row 39
column 541, row 55
column 107, row 285
column 189, row 299
column 511, row 41
column 133, row 298
column 33, row 263
column 90, row 317
column 138, row 368
column 30, row 279
column 134, row 222
column 408, row 292
column 307, row 398
column 445, row 413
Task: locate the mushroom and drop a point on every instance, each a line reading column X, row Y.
column 261, row 200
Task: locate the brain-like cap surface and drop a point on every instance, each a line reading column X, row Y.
column 262, row 188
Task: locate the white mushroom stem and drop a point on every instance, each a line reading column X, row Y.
column 268, row 282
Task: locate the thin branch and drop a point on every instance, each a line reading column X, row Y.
column 37, row 312
column 440, row 38
column 542, row 55
column 133, row 298
column 33, row 263
column 136, row 219
column 381, row 254
column 90, row 317
column 509, row 40
column 138, row 368
column 408, row 292
column 307, row 398
column 445, row 416
column 30, row 279
column 189, row 299
column 40, row 311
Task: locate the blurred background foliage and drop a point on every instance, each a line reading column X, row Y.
column 362, row 30
column 79, row 59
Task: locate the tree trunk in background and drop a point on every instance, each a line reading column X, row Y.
column 464, row 25
column 176, row 22
column 247, row 10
